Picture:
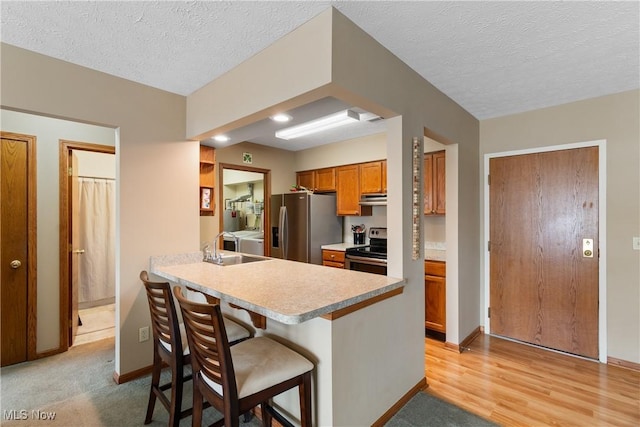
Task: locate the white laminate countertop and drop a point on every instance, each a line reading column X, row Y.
column 429, row 254
column 286, row 291
column 340, row 246
column 435, row 255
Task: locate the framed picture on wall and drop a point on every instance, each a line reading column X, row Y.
column 205, row 198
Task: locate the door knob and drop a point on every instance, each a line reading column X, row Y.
column 587, row 248
column 78, row 251
column 15, row 264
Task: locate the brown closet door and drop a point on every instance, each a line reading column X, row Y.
column 14, row 254
column 543, row 290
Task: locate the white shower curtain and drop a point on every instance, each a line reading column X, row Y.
column 97, row 237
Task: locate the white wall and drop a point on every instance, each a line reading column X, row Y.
column 96, row 165
column 48, row 133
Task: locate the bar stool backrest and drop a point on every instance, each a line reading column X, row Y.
column 210, row 350
column 164, row 321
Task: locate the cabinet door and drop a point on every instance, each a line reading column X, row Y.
column 428, row 184
column 371, row 177
column 325, row 179
column 435, row 303
column 348, row 191
column 439, row 180
column 305, row 179
column 384, row 176
column 332, row 258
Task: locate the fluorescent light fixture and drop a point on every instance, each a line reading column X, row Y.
column 221, row 138
column 318, row 125
column 281, row 118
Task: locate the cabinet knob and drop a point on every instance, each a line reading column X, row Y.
column 333, row 256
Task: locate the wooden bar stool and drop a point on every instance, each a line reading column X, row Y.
column 236, row 379
column 168, row 334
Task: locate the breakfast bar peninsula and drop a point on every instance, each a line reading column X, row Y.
column 333, row 317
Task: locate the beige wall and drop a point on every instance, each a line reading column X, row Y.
column 356, row 150
column 249, row 91
column 615, row 118
column 48, row 133
column 154, row 167
column 371, row 76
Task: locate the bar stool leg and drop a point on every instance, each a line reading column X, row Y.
column 176, row 395
column 155, row 381
column 304, row 390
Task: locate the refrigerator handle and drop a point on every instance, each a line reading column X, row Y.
column 283, row 231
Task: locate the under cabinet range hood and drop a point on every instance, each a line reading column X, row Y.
column 373, row 200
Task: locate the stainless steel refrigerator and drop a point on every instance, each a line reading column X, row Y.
column 300, row 223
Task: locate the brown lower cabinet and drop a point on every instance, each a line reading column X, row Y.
column 332, row 258
column 435, row 296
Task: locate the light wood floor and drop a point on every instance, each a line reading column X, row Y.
column 98, row 323
column 514, row 384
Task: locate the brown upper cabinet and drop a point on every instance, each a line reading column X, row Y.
column 349, row 182
column 319, row 180
column 306, row 179
column 348, row 191
column 325, row 179
column 207, row 180
column 373, row 177
column 434, row 183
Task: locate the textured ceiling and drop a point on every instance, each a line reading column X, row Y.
column 492, row 58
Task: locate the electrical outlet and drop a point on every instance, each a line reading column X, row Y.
column 143, row 334
column 636, row 243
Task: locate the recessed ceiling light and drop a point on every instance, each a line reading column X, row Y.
column 221, row 138
column 281, row 118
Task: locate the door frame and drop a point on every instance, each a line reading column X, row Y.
column 32, row 239
column 65, row 148
column 602, row 232
column 266, row 176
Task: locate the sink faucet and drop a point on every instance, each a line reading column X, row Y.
column 236, row 241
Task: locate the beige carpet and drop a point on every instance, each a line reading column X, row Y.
column 76, row 388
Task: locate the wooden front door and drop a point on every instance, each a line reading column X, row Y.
column 14, row 225
column 543, row 289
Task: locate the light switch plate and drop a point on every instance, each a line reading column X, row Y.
column 636, row 243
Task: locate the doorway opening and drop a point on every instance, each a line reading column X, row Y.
column 87, row 242
column 244, row 204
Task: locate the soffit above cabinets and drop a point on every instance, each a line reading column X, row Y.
column 263, row 131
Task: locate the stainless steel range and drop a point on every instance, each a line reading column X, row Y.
column 371, row 258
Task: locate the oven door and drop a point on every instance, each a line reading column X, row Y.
column 366, row 264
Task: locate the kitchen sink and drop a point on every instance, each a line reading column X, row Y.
column 227, row 259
